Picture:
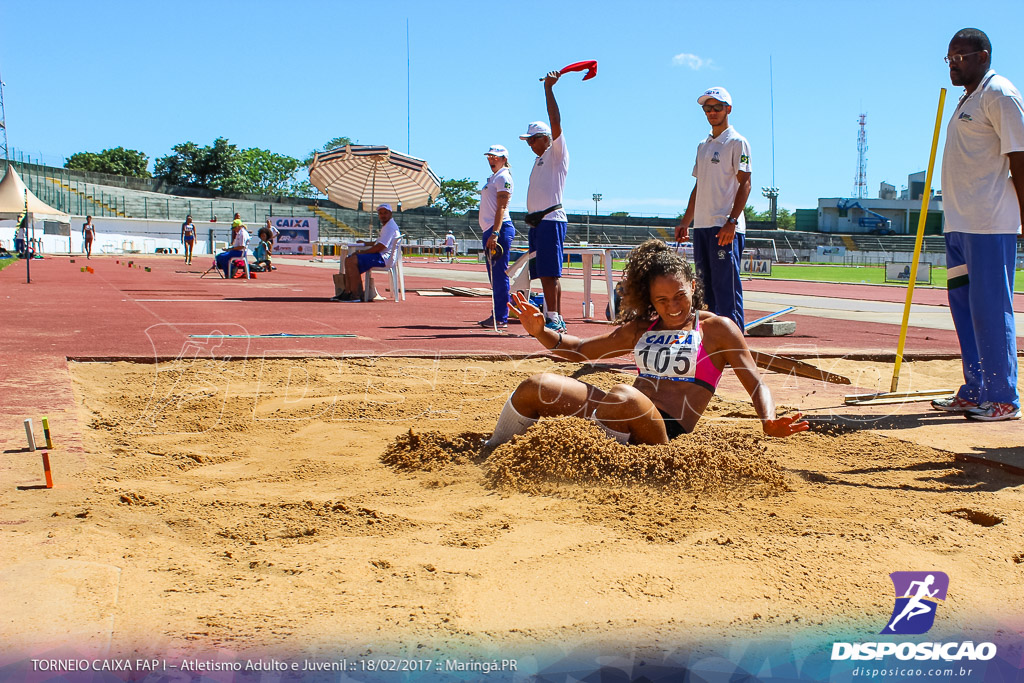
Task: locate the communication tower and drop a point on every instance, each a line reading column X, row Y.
column 3, row 125
column 860, row 182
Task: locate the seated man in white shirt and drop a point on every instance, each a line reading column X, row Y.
column 375, row 256
column 237, row 249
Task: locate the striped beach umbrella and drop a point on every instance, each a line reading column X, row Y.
column 362, row 177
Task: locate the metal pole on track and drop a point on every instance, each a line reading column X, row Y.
column 893, row 396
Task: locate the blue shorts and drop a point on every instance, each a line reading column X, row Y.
column 547, row 240
column 367, row 261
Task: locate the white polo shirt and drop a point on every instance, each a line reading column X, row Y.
column 547, row 180
column 718, row 161
column 449, row 240
column 977, row 194
column 387, row 234
column 501, row 181
column 241, row 238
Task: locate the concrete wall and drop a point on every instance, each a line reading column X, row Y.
column 122, row 235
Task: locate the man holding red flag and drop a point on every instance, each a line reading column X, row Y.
column 545, row 216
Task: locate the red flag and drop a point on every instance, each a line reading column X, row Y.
column 588, row 65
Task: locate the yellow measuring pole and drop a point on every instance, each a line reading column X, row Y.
column 918, row 243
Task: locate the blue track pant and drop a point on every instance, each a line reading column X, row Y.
column 719, row 270
column 980, row 270
column 496, row 267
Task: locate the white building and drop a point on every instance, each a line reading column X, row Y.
column 869, row 215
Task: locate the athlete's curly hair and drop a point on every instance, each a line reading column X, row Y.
column 650, row 260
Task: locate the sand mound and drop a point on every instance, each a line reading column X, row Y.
column 432, row 450
column 576, row 451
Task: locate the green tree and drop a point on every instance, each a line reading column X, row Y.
column 333, row 143
column 214, row 167
column 786, row 220
column 457, row 196
column 116, row 161
column 620, row 214
column 260, row 171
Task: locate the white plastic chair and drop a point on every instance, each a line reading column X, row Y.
column 393, row 266
column 519, row 274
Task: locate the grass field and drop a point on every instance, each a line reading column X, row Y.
column 7, row 262
column 871, row 275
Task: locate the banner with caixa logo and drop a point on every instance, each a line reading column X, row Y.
column 296, row 234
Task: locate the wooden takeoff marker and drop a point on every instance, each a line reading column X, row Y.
column 791, row 366
column 46, row 433
column 46, row 470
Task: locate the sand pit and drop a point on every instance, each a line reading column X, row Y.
column 285, row 506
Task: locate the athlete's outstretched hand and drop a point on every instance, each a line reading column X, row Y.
column 529, row 315
column 785, row 426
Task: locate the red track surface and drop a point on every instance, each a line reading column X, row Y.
column 933, row 296
column 117, row 312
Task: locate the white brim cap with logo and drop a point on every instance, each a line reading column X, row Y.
column 716, row 93
column 536, row 128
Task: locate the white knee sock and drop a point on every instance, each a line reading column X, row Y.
column 621, row 437
column 510, row 423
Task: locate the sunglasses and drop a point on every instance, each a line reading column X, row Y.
column 713, row 107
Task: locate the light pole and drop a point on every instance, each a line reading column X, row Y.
column 772, row 193
column 597, row 198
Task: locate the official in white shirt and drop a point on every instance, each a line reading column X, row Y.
column 716, row 207
column 545, row 216
column 498, row 233
column 983, row 203
column 375, row 256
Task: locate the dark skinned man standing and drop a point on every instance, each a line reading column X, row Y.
column 983, row 203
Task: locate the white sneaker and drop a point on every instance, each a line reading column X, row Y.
column 954, row 404
column 994, row 412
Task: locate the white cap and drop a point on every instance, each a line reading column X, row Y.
column 720, row 94
column 536, row 128
column 384, row 206
column 497, row 151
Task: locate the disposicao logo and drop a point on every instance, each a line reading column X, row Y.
column 917, row 598
column 918, row 595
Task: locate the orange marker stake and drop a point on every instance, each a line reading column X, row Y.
column 46, row 432
column 46, row 470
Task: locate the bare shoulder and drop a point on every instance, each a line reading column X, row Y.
column 631, row 331
column 719, row 331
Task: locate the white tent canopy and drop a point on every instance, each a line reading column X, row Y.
column 12, row 199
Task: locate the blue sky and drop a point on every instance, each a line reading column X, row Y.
column 288, row 76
